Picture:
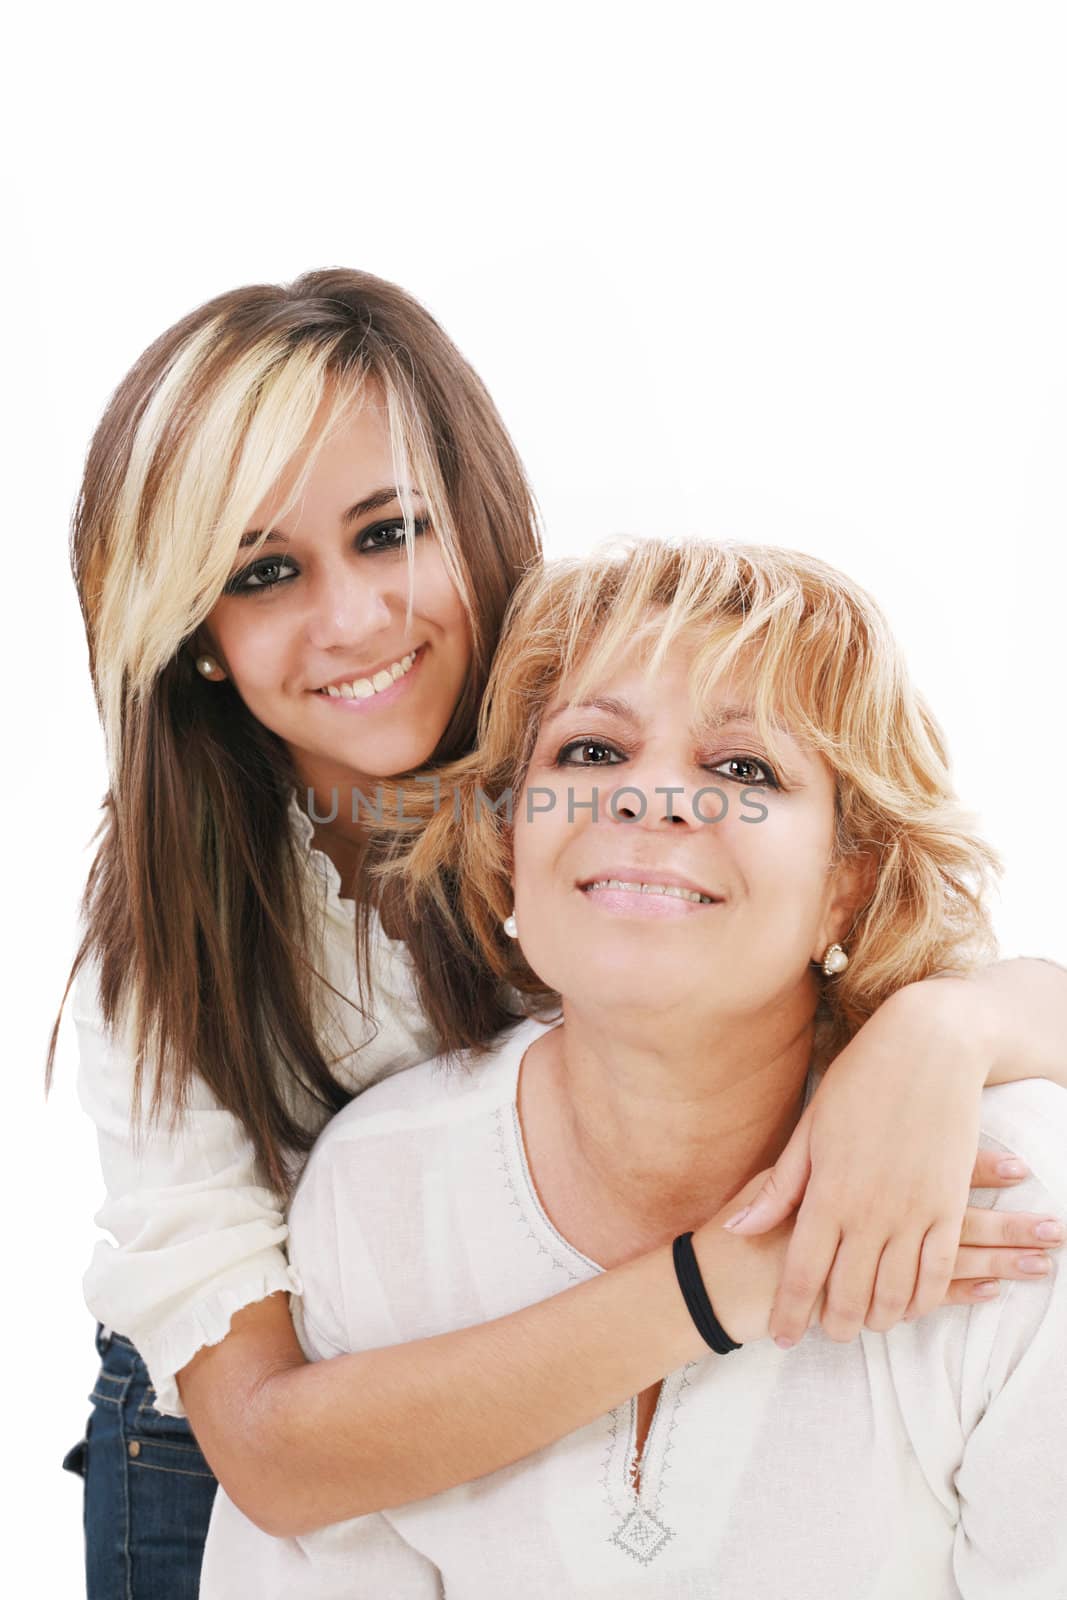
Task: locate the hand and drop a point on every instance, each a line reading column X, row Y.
column 880, row 1164
column 742, row 1274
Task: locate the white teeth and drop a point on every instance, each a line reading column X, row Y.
column 671, row 889
column 364, row 688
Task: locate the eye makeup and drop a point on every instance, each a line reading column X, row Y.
column 243, row 582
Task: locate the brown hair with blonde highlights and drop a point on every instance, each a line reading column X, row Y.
column 821, row 660
column 195, row 909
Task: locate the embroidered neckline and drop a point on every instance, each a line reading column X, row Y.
column 329, row 878
column 638, row 1528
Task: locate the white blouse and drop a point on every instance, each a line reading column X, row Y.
column 196, row 1236
column 927, row 1462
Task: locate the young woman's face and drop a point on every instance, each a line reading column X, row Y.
column 313, row 631
column 759, row 900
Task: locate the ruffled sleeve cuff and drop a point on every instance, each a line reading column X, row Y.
column 170, row 1347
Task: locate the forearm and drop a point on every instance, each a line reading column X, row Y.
column 298, row 1445
column 1026, row 1009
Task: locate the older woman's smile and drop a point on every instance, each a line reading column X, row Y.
column 645, row 892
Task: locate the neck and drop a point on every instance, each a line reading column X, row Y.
column 339, row 836
column 646, row 1126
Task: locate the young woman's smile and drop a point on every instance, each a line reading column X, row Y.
column 376, row 688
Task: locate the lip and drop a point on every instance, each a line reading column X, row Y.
column 368, row 672
column 645, row 872
column 378, row 702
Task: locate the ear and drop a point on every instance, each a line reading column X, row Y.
column 202, row 645
column 853, row 884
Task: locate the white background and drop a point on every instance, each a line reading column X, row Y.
column 791, row 273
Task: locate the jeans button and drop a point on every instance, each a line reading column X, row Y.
column 133, row 1448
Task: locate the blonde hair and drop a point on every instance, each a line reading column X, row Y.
column 215, row 976
column 820, row 659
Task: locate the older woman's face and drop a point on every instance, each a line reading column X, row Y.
column 643, row 903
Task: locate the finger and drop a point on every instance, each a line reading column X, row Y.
column 850, row 1286
column 808, row 1261
column 782, row 1190
column 968, row 1292
column 998, row 1169
column 937, row 1260
column 898, row 1272
column 984, row 1226
column 1006, row 1263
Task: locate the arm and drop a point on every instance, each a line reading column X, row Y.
column 880, row 1162
column 1026, row 1002
column 298, row 1445
column 197, row 1236
column 194, row 1283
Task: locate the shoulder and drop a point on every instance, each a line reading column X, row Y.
column 436, row 1095
column 1028, row 1118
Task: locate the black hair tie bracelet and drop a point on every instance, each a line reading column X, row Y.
column 695, row 1295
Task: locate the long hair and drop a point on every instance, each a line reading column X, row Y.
column 195, row 909
column 822, row 662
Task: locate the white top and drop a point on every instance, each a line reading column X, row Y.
column 926, row 1463
column 197, row 1237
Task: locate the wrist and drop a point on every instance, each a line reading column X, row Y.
column 956, row 1015
column 725, row 1261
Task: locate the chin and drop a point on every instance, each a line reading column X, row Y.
column 613, row 991
column 382, row 761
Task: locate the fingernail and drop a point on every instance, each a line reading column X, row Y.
column 738, row 1216
column 1049, row 1230
column 1012, row 1169
column 783, row 1343
column 986, row 1291
column 1032, row 1263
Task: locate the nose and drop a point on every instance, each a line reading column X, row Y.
column 657, row 801
column 655, row 815
column 345, row 608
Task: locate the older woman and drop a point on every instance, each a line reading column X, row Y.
column 712, row 817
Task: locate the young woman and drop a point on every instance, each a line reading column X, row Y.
column 718, row 772
column 299, row 529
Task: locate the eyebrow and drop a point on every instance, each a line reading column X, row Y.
column 607, row 703
column 373, row 502
column 719, row 717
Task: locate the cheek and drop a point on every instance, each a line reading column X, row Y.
column 256, row 651
column 536, row 844
column 783, row 864
column 438, row 600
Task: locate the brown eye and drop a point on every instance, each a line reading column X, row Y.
column 753, row 766
column 593, row 753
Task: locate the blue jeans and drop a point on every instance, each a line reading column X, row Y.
column 148, row 1489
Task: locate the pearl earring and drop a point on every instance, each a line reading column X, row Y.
column 511, row 927
column 835, row 960
column 207, row 665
